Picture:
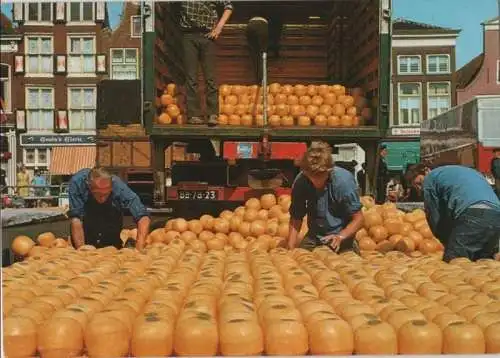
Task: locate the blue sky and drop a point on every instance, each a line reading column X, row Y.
column 466, row 15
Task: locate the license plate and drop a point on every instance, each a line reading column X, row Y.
column 198, row 195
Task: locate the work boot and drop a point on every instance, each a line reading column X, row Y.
column 195, row 120
column 212, row 120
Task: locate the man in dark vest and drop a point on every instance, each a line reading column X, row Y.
column 96, row 203
column 382, row 175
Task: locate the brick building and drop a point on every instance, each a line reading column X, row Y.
column 9, row 45
column 422, row 84
column 124, row 45
column 60, row 60
column 481, row 76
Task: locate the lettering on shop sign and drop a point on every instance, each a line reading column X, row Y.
column 57, row 140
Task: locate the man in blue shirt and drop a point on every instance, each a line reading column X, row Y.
column 328, row 195
column 462, row 210
column 96, row 201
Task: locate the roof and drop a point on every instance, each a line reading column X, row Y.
column 406, row 25
column 6, row 25
column 468, row 72
column 492, row 21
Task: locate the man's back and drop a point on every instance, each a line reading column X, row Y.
column 458, row 187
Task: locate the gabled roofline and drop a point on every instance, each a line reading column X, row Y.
column 423, row 26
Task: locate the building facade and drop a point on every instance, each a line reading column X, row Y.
column 60, row 60
column 10, row 40
column 481, row 76
column 125, row 43
column 423, row 85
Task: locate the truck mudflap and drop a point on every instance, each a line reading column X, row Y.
column 205, row 193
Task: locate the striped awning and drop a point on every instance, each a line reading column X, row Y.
column 69, row 160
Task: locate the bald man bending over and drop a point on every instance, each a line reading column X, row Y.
column 96, row 201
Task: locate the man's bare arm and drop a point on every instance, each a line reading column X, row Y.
column 293, row 234
column 142, row 232
column 356, row 224
column 77, row 233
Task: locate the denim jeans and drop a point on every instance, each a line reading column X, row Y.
column 475, row 234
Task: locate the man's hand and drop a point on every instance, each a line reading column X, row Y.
column 214, row 34
column 333, row 241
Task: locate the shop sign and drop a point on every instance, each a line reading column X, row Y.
column 411, row 131
column 50, row 140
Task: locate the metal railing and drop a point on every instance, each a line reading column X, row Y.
column 29, row 196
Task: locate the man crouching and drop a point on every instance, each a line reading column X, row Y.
column 328, row 195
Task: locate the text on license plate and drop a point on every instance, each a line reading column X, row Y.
column 198, row 195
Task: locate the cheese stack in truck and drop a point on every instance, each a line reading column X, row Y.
column 467, row 135
column 319, row 46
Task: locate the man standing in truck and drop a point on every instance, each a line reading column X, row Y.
column 328, row 195
column 96, row 202
column 201, row 26
column 495, row 169
column 462, row 210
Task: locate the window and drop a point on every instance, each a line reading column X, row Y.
column 39, row 55
column 40, row 109
column 410, row 104
column 5, row 84
column 135, row 26
column 81, row 59
column 438, row 98
column 36, row 157
column 438, row 64
column 82, row 109
column 409, row 64
column 124, row 63
column 498, row 71
column 39, row 12
column 81, row 11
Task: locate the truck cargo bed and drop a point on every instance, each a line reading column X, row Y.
column 182, row 132
column 310, row 43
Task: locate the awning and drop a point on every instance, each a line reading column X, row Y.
column 69, row 160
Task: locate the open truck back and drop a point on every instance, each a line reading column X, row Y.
column 466, row 134
column 311, row 43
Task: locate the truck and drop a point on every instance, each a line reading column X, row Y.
column 466, row 134
column 313, row 42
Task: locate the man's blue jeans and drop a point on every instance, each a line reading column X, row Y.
column 475, row 235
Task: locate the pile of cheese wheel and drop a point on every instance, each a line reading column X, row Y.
column 386, row 229
column 261, row 223
column 171, row 105
column 178, row 300
column 293, row 105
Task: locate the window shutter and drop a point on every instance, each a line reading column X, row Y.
column 61, row 124
column 60, row 12
column 18, row 12
column 60, row 64
column 100, row 11
column 100, row 64
column 19, row 64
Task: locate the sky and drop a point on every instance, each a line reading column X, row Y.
column 466, row 15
